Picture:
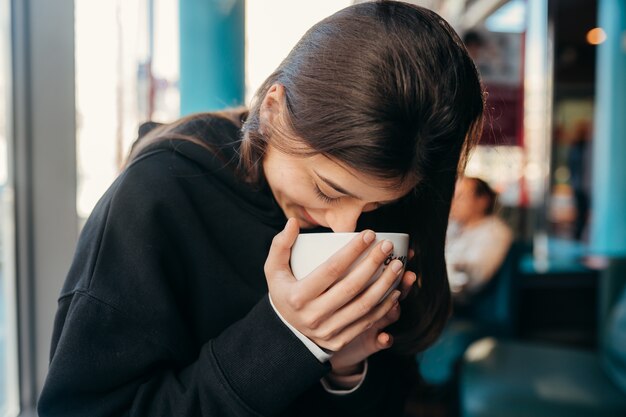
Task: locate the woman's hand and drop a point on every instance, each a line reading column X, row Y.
column 348, row 360
column 331, row 308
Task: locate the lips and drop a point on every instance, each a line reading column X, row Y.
column 308, row 217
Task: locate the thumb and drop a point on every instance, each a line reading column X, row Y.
column 280, row 250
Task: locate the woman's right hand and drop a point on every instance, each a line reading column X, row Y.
column 327, row 306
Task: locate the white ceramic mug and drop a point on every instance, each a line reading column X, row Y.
column 312, row 249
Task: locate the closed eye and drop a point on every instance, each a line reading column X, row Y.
column 324, row 197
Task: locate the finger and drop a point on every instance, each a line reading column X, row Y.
column 336, row 341
column 352, row 315
column 280, row 250
column 325, row 275
column 411, row 254
column 382, row 287
column 391, row 317
column 384, row 340
column 365, row 302
column 346, row 290
column 406, row 285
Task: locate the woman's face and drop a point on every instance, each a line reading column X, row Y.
column 319, row 191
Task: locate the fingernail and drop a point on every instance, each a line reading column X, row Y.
column 369, row 237
column 395, row 295
column 413, row 278
column 396, row 266
column 386, row 246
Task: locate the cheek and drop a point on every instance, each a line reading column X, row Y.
column 303, row 197
column 296, row 193
column 285, row 182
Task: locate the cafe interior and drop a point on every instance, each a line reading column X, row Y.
column 546, row 336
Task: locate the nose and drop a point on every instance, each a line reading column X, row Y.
column 343, row 219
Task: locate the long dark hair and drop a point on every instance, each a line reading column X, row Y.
column 388, row 89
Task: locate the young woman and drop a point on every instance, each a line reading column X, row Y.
column 180, row 301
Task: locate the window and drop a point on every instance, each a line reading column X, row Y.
column 126, row 74
column 267, row 45
column 127, row 71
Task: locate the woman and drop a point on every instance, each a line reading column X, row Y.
column 477, row 240
column 180, row 300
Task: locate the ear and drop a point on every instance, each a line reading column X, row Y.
column 272, row 107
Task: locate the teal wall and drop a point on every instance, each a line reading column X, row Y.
column 608, row 230
column 212, row 54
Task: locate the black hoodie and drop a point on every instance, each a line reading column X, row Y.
column 165, row 311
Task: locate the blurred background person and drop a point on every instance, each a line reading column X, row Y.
column 477, row 240
column 579, row 164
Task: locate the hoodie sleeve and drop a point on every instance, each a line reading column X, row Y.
column 104, row 364
column 121, row 344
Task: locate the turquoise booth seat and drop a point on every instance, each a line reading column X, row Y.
column 514, row 379
column 492, row 312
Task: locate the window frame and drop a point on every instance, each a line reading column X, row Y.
column 44, row 176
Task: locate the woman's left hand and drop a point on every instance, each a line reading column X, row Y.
column 348, row 360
